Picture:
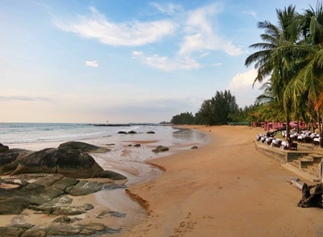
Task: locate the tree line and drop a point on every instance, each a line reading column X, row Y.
column 219, row 110
column 289, row 64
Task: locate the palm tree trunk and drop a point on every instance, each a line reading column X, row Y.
column 288, row 130
column 320, row 129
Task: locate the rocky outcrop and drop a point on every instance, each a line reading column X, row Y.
column 46, row 193
column 50, row 194
column 45, row 180
column 57, row 229
column 68, row 162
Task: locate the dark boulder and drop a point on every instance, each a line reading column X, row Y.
column 3, row 148
column 9, row 160
column 160, row 149
column 68, row 162
column 82, row 146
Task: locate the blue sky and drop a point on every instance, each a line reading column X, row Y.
column 125, row 61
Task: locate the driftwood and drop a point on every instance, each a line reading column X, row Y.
column 311, row 200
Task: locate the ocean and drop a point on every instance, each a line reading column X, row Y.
column 20, row 134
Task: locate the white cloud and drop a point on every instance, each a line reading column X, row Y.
column 165, row 63
column 204, row 54
column 200, row 35
column 137, row 53
column 241, row 87
column 134, row 33
column 92, row 63
column 251, row 13
column 168, row 8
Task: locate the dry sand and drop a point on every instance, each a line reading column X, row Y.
column 225, row 188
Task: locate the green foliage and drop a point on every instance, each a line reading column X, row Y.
column 224, row 108
column 183, row 118
column 220, row 109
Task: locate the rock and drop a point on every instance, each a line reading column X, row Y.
column 9, row 160
column 150, row 132
column 66, row 220
column 8, row 157
column 160, row 149
column 12, row 205
column 56, row 229
column 132, row 132
column 84, row 188
column 194, row 147
column 68, row 162
column 73, row 163
column 68, row 229
column 92, row 228
column 3, row 148
column 137, row 145
column 70, row 210
column 113, row 186
column 47, row 195
column 111, row 213
column 82, row 146
column 11, row 231
column 110, row 175
column 122, row 132
column 58, row 202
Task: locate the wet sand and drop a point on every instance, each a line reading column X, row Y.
column 225, row 188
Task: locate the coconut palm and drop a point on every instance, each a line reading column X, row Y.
column 273, row 63
column 308, row 60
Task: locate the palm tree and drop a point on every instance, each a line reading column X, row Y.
column 269, row 106
column 308, row 60
column 274, row 64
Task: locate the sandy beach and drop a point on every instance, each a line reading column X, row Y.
column 225, row 188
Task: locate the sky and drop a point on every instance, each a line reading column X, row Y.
column 126, row 61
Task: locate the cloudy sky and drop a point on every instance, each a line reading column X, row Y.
column 125, row 61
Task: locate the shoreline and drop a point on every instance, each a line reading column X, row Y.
column 124, row 158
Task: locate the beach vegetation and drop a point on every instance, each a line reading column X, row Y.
column 220, row 109
column 289, row 61
column 183, row 118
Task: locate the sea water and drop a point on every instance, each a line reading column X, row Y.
column 31, row 133
column 13, row 133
